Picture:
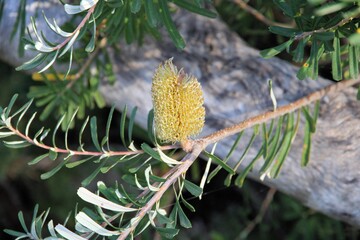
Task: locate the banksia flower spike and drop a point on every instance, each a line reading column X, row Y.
column 178, row 104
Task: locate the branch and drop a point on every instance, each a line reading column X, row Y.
column 199, row 145
column 82, row 153
column 258, row 15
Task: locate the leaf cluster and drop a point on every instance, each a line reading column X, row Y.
column 328, row 29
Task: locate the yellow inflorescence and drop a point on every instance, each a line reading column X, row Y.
column 178, row 104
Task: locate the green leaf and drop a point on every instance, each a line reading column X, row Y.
column 16, row 144
column 122, row 126
column 309, row 119
column 298, row 54
column 94, row 133
column 194, row 189
column 91, row 45
column 336, row 60
column 183, row 219
column 354, row 39
column 218, row 161
column 135, row 6
column 282, row 31
column 131, row 123
column 305, row 157
column 33, row 63
column 15, row 233
column 285, row 147
column 353, row 61
column 271, row 52
column 38, row 159
column 51, row 173
column 324, row 36
column 92, row 176
column 188, row 5
column 239, row 181
column 11, row 104
column 52, row 154
column 233, row 147
column 167, row 233
column 285, row 7
column 82, row 132
column 265, row 140
column 152, row 14
column 330, row 8
column 56, row 129
column 77, row 163
column 108, row 125
column 150, row 126
column 147, row 149
column 170, row 25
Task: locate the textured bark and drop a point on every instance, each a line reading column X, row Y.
column 234, row 79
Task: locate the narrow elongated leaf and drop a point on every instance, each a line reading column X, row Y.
column 91, row 45
column 92, row 176
column 56, row 129
column 218, row 161
column 286, row 32
column 94, row 133
column 168, row 160
column 70, row 43
column 148, row 173
column 305, row 157
column 17, row 234
column 271, row 52
column 353, row 61
column 10, row 105
column 147, row 149
column 16, row 144
column 336, row 60
column 122, row 126
column 194, row 189
column 38, row 159
column 66, row 233
column 135, row 6
column 309, row 119
column 188, row 5
column 152, row 14
column 265, row 140
column 131, row 123
column 6, row 134
column 77, row 163
column 233, row 147
column 108, row 125
column 53, row 57
column 87, row 222
column 92, row 198
column 51, row 173
column 183, row 219
column 150, row 126
column 170, row 25
column 82, row 132
column 285, row 147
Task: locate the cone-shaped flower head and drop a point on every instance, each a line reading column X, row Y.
column 178, row 104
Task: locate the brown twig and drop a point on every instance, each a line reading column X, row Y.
column 264, row 206
column 258, row 15
column 200, row 144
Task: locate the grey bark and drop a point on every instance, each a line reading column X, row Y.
column 234, row 79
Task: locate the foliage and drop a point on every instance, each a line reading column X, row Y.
column 118, row 212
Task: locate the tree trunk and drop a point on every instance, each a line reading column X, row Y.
column 234, row 79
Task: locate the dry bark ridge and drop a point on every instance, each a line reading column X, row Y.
column 234, row 79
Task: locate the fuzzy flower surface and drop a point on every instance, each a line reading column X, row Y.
column 178, row 104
